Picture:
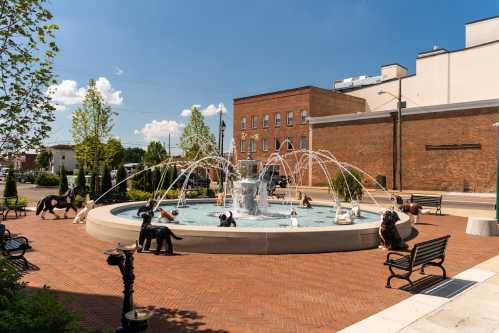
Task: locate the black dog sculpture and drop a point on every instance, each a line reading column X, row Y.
column 149, row 232
column 389, row 235
column 58, row 201
column 147, row 208
column 227, row 220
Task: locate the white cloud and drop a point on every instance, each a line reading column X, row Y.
column 156, row 130
column 210, row 110
column 68, row 93
column 118, row 71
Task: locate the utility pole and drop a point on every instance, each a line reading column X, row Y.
column 169, row 146
column 220, row 147
column 399, row 135
column 497, row 171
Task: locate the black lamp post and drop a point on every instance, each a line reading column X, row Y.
column 131, row 320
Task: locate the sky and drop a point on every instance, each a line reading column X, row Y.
column 153, row 60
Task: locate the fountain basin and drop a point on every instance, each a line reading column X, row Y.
column 104, row 224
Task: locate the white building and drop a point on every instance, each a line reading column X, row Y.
column 63, row 155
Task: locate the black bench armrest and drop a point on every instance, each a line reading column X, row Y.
column 393, row 253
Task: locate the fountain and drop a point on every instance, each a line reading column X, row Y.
column 264, row 226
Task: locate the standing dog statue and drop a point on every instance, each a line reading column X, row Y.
column 81, row 217
column 147, row 208
column 148, row 232
column 58, row 201
column 227, row 220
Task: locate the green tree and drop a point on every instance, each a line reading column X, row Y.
column 10, row 189
column 106, row 182
column 114, row 153
column 43, row 159
column 156, row 178
column 63, row 183
column 197, row 141
column 121, row 176
column 27, row 52
column 174, row 175
column 348, row 185
column 93, row 182
column 81, row 180
column 91, row 127
column 134, row 155
column 155, row 153
column 167, row 178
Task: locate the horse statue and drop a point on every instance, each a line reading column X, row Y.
column 58, row 201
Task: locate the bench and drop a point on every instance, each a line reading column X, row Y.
column 428, row 253
column 13, row 247
column 11, row 204
column 428, row 201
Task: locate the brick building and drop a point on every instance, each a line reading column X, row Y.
column 448, row 141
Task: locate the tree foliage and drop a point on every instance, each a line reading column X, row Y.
column 91, row 127
column 10, row 189
column 43, row 159
column 106, row 182
column 348, row 185
column 120, row 177
column 63, row 183
column 134, row 155
column 197, row 141
column 155, row 153
column 114, row 153
column 81, row 181
column 26, row 71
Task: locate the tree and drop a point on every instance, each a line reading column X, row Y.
column 167, row 178
column 91, row 126
column 174, row 175
column 80, row 179
column 93, row 182
column 26, row 71
column 197, row 141
column 63, row 183
column 155, row 153
column 10, row 189
column 106, row 182
column 121, row 176
column 134, row 155
column 114, row 153
column 43, row 159
column 348, row 185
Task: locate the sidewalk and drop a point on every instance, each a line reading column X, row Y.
column 467, row 302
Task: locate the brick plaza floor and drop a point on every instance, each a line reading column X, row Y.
column 231, row 293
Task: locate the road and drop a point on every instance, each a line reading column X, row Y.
column 32, row 192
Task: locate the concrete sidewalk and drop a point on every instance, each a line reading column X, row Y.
column 468, row 302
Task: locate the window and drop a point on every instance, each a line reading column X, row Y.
column 303, row 116
column 289, row 143
column 303, row 142
column 265, row 144
column 243, row 123
column 277, row 143
column 243, row 144
column 266, row 120
column 252, row 145
column 277, row 119
column 289, row 119
column 253, row 121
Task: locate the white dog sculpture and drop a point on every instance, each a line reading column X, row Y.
column 343, row 217
column 81, row 217
column 355, row 209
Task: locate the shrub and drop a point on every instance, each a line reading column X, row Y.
column 45, row 179
column 24, row 311
column 346, row 186
column 207, row 192
column 79, row 201
column 106, row 182
column 10, row 189
column 171, row 194
column 93, row 182
column 192, row 194
column 120, row 177
column 63, row 184
column 138, row 195
column 81, row 180
column 20, row 201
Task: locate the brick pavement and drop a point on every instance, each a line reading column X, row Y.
column 231, row 293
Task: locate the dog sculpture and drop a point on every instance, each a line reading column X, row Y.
column 147, row 208
column 161, row 234
column 355, row 209
column 220, row 199
column 343, row 217
column 305, row 201
column 294, row 219
column 227, row 220
column 389, row 236
column 58, row 201
column 81, row 217
column 170, row 216
column 414, row 209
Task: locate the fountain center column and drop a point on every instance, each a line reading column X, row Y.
column 246, row 190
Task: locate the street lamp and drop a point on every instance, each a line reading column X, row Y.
column 400, row 105
column 132, row 320
column 221, row 129
column 497, row 171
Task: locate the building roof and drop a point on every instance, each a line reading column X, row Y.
column 481, row 20
column 274, row 92
column 69, row 147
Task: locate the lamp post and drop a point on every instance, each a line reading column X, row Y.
column 497, row 171
column 221, row 129
column 400, row 105
column 131, row 320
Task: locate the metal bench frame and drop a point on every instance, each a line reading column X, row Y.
column 428, row 253
column 428, row 201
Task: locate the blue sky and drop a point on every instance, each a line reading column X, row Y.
column 158, row 58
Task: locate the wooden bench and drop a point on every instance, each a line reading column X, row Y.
column 428, row 253
column 13, row 247
column 428, row 201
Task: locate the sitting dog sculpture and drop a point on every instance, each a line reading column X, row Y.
column 81, row 217
column 147, row 208
column 389, row 236
column 294, row 219
column 227, row 220
column 343, row 217
column 355, row 209
column 305, row 201
column 170, row 216
column 220, row 199
column 160, row 234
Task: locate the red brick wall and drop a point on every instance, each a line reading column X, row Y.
column 326, row 103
